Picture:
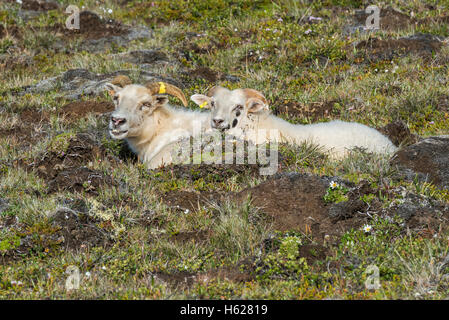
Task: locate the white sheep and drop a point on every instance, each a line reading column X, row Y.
column 148, row 123
column 245, row 114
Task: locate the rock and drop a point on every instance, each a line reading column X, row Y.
column 427, row 160
column 76, row 83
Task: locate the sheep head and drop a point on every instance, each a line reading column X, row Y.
column 231, row 109
column 135, row 104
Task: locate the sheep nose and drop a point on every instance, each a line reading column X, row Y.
column 118, row 121
column 217, row 122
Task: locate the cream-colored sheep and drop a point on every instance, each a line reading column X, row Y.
column 148, row 123
column 244, row 112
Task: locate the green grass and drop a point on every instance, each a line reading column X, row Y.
column 295, row 64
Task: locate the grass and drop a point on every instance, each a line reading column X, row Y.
column 269, row 46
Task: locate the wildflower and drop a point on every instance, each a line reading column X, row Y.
column 186, row 211
column 367, row 228
column 87, row 274
column 432, row 122
column 308, row 31
column 333, row 185
column 311, row 18
column 110, row 11
column 16, row 283
column 280, row 20
column 19, row 1
column 103, row 268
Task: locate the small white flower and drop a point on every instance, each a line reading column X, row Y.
column 186, row 211
column 367, row 228
column 103, row 268
column 87, row 274
column 280, row 20
column 308, row 31
column 333, row 185
column 110, row 11
column 19, row 1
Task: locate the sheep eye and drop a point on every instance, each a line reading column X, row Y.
column 212, row 104
column 115, row 98
column 144, row 106
column 237, row 109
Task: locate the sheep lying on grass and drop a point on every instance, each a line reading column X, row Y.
column 148, row 123
column 245, row 114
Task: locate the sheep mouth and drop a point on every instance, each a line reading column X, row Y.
column 118, row 134
column 222, row 129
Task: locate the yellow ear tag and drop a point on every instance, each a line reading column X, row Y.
column 161, row 87
column 203, row 104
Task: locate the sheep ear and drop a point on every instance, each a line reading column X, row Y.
column 255, row 105
column 201, row 100
column 112, row 88
column 161, row 100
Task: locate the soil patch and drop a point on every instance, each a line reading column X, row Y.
column 195, row 236
column 187, row 279
column 76, row 110
column 398, row 132
column 294, row 201
column 192, row 201
column 66, row 170
column 33, row 116
column 30, row 130
column 390, row 19
column 93, row 27
column 377, row 49
column 39, row 5
column 313, row 253
column 79, row 230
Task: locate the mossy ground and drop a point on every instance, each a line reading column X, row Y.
column 159, row 251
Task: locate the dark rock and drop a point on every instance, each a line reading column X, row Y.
column 427, row 160
column 72, row 74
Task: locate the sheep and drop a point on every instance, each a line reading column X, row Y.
column 148, row 123
column 244, row 112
